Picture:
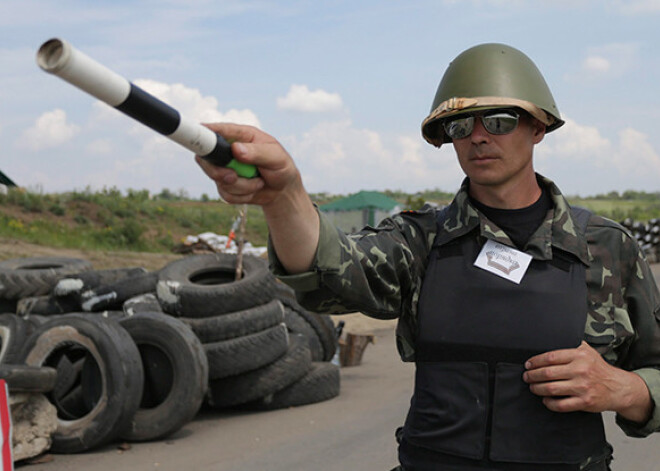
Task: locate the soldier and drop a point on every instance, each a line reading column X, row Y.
column 526, row 318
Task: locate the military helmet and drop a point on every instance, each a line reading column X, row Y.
column 490, row 76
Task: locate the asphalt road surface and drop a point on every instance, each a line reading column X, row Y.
column 354, row 431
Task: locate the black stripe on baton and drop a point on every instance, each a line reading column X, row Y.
column 150, row 111
column 164, row 119
column 221, row 154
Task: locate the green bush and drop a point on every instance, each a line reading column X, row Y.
column 127, row 235
column 57, row 209
column 80, row 219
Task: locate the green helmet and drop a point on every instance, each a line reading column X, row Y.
column 490, row 76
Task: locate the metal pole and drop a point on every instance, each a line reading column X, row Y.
column 241, row 240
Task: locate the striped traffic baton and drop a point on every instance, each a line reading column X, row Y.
column 58, row 57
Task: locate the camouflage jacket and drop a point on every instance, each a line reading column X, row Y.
column 379, row 272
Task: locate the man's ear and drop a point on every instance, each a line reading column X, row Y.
column 538, row 129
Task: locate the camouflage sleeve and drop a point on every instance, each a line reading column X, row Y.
column 625, row 311
column 643, row 357
column 372, row 271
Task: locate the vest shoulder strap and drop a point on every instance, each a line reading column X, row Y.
column 440, row 216
column 582, row 216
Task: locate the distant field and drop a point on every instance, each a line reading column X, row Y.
column 642, row 210
column 137, row 221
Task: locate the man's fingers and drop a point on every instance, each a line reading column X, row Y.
column 236, row 199
column 267, row 156
column 564, row 404
column 558, row 388
column 240, row 186
column 243, row 191
column 214, row 172
column 547, row 373
column 555, row 357
column 250, row 145
column 237, row 132
column 231, row 188
column 277, row 172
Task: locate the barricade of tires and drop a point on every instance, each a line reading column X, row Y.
column 132, row 355
column 647, row 235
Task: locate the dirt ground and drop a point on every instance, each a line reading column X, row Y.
column 11, row 248
column 352, row 431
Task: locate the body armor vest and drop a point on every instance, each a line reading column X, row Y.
column 471, row 408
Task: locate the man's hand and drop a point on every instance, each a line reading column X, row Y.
column 291, row 217
column 277, row 171
column 579, row 379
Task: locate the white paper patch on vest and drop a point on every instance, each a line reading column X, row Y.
column 503, row 261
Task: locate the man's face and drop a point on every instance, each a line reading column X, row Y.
column 498, row 160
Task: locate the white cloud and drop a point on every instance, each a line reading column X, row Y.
column 336, row 157
column 596, row 64
column 50, row 130
column 607, row 61
column 636, row 155
column 301, row 98
column 508, row 4
column 634, row 7
column 578, row 142
column 627, row 7
column 411, row 150
column 613, row 59
column 192, row 104
column 100, row 146
column 590, row 163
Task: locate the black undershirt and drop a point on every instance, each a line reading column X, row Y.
column 519, row 224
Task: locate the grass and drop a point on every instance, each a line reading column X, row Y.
column 109, row 220
column 137, row 221
column 620, row 209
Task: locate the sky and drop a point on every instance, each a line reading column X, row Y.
column 343, row 84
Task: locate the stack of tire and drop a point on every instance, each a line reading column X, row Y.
column 264, row 350
column 647, row 235
column 136, row 353
column 134, row 378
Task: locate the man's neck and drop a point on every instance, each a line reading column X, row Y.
column 516, row 196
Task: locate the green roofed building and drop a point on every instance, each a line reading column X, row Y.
column 360, row 209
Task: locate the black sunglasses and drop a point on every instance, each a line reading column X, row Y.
column 500, row 121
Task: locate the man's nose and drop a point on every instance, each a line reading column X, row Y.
column 479, row 133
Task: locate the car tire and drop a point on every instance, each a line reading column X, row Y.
column 242, row 354
column 175, row 375
column 321, row 383
column 237, row 324
column 204, row 285
column 111, row 377
column 36, row 276
column 239, row 389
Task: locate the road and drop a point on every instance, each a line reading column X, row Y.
column 354, row 431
